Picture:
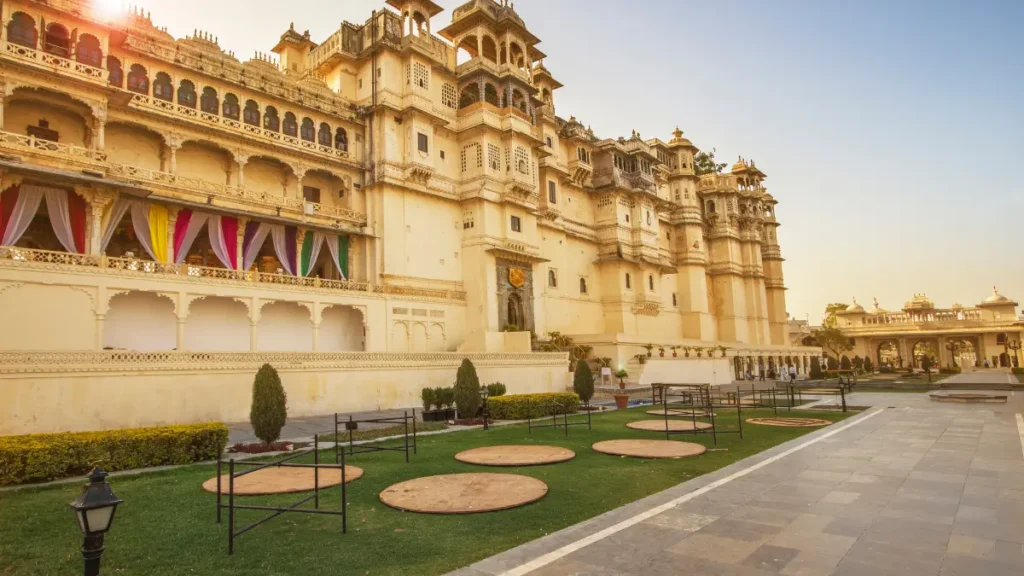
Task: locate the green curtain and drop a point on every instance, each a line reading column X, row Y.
column 343, row 255
column 307, row 253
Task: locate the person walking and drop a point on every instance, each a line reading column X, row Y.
column 760, row 371
column 792, row 373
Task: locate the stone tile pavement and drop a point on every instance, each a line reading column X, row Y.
column 910, row 487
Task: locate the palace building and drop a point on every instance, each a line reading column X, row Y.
column 362, row 211
column 966, row 337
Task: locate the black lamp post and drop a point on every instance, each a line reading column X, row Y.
column 1015, row 346
column 95, row 508
column 484, row 393
column 953, row 348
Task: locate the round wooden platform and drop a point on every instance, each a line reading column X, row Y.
column 673, row 425
column 969, row 398
column 515, row 455
column 464, row 493
column 679, row 412
column 284, row 480
column 789, row 422
column 649, row 448
column 821, row 391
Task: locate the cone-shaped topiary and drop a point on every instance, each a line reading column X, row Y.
column 467, row 390
column 844, row 363
column 583, row 381
column 868, row 366
column 269, row 409
column 816, row 373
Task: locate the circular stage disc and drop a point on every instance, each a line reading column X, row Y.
column 789, row 422
column 649, row 448
column 673, row 425
column 464, row 493
column 820, row 391
column 285, row 480
column 679, row 412
column 515, row 455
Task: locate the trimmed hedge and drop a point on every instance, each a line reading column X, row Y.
column 1018, row 371
column 44, row 457
column 950, row 370
column 522, row 406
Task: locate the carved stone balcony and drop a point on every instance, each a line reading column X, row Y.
column 50, row 62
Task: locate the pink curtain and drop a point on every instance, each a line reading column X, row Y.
column 186, row 229
column 223, row 232
column 24, row 209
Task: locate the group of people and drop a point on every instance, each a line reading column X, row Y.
column 789, row 372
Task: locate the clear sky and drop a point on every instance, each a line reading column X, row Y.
column 890, row 131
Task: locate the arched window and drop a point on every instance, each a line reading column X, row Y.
column 187, row 93
column 323, row 135
column 88, row 51
column 711, row 206
column 552, row 279
column 162, row 87
column 650, row 282
column 674, row 301
column 341, row 139
column 208, row 101
column 629, row 281
column 491, row 95
column 308, row 131
column 270, row 119
column 230, row 107
column 138, row 81
column 290, row 126
column 583, row 285
column 251, row 115
column 470, row 95
column 115, row 77
column 58, row 40
column 21, row 30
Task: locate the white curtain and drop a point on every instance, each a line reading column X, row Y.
column 318, row 242
column 280, row 247
column 140, row 223
column 332, row 245
column 253, row 249
column 216, row 234
column 115, row 215
column 60, row 216
column 195, row 226
column 25, row 208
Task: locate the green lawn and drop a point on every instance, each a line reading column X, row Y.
column 167, row 523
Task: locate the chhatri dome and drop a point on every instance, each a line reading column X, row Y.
column 855, row 308
column 997, row 298
column 876, row 309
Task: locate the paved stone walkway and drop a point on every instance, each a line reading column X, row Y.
column 987, row 377
column 910, row 487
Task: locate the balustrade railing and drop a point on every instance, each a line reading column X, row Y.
column 963, row 315
column 138, row 267
column 47, row 59
column 68, row 152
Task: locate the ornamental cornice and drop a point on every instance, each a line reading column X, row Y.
column 172, row 361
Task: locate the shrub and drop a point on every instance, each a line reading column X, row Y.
column 45, row 457
column 521, row 406
column 445, row 397
column 496, row 389
column 832, row 363
column 428, row 397
column 467, row 390
column 844, row 363
column 926, row 364
column 1018, row 371
column 950, row 370
column 269, row 409
column 583, row 381
column 868, row 366
column 816, row 373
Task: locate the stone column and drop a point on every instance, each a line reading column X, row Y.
column 169, row 159
column 99, row 202
column 253, row 344
column 172, row 218
column 99, row 331
column 316, row 336
column 240, row 249
column 180, row 340
column 300, row 172
column 99, row 134
column 241, row 159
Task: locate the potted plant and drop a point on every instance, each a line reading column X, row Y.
column 675, row 351
column 723, row 350
column 429, row 398
column 641, row 358
column 686, row 350
column 699, row 351
column 649, row 348
column 445, row 400
column 661, row 351
column 621, row 399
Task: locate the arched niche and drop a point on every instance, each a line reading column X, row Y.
column 203, row 160
column 140, row 321
column 48, row 116
column 399, row 337
column 217, row 324
column 419, row 337
column 41, row 317
column 285, row 327
column 341, row 330
column 438, row 341
column 267, row 175
column 133, row 145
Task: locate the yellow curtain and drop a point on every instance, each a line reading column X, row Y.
column 158, row 217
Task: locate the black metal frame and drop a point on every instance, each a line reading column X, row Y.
column 351, row 425
column 566, row 424
column 696, row 397
column 758, row 398
column 795, row 393
column 278, row 510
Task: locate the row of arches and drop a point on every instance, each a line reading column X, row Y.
column 57, row 40
column 269, row 118
column 488, row 92
column 486, row 47
column 417, row 337
column 146, row 322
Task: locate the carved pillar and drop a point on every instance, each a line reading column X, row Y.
column 99, row 125
column 300, row 172
column 169, row 159
column 316, row 336
column 253, row 343
column 300, row 237
column 241, row 159
column 180, row 340
column 240, row 254
column 479, row 45
column 99, row 202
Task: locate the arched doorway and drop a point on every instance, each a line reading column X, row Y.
column 964, row 353
column 888, row 354
column 516, row 317
column 922, row 349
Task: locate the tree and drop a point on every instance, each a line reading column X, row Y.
column 467, row 390
column 583, row 382
column 830, row 320
column 858, row 363
column 832, row 339
column 844, row 363
column 926, row 365
column 816, row 373
column 832, row 363
column 704, row 163
column 269, row 410
column 868, row 366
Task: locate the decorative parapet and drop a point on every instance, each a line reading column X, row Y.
column 51, row 62
column 13, row 257
column 114, row 360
